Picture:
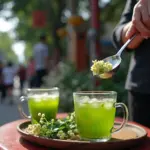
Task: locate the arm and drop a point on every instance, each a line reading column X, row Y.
column 119, row 33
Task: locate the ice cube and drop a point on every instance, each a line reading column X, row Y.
column 111, row 100
column 85, row 99
column 108, row 105
column 93, row 100
column 54, row 96
column 44, row 94
column 35, row 97
column 95, row 105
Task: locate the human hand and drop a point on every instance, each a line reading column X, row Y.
column 140, row 19
column 137, row 40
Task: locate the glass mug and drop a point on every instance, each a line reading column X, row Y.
column 95, row 114
column 41, row 101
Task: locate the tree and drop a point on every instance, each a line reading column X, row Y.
column 5, row 47
column 23, row 10
column 55, row 9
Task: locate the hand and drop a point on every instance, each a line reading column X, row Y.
column 140, row 19
column 136, row 42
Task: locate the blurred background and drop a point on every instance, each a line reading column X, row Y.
column 78, row 31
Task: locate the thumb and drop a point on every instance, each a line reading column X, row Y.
column 130, row 32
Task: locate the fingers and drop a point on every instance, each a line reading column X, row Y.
column 132, row 30
column 145, row 15
column 141, row 20
column 142, row 29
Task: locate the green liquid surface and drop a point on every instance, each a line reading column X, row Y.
column 95, row 120
column 47, row 105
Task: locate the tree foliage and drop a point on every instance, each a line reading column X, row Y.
column 5, row 47
column 23, row 9
column 55, row 13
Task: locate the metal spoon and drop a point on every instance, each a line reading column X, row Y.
column 115, row 60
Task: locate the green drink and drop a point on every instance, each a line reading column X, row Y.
column 95, row 114
column 43, row 104
column 44, row 101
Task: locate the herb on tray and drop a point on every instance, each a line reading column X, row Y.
column 56, row 128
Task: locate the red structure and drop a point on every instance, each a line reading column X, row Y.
column 95, row 23
column 81, row 54
column 78, row 50
column 39, row 19
column 95, row 14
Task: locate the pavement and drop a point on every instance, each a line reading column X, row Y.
column 9, row 112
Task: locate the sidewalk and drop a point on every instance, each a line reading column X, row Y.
column 9, row 112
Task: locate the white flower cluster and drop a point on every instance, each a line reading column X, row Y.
column 100, row 67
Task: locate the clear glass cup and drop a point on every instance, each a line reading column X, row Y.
column 40, row 101
column 95, row 114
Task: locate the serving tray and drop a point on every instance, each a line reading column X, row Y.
column 130, row 136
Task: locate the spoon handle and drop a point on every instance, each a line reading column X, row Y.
column 126, row 44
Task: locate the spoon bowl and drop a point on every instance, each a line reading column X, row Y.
column 115, row 60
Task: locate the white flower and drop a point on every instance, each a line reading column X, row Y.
column 39, row 114
column 41, row 121
column 43, row 115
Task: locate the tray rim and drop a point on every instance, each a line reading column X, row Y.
column 82, row 142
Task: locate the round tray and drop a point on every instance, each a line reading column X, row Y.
column 130, row 136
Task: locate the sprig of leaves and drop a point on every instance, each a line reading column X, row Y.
column 55, row 128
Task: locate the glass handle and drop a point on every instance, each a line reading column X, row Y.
column 125, row 116
column 22, row 99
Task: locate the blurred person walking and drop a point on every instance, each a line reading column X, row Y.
column 40, row 53
column 9, row 73
column 22, row 76
column 2, row 87
column 31, row 74
column 136, row 20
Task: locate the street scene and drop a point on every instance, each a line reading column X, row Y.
column 74, row 74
